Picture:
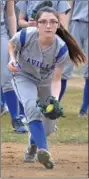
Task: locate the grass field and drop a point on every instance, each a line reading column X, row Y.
column 70, row 129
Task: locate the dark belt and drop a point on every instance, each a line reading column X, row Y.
column 81, row 21
column 2, row 23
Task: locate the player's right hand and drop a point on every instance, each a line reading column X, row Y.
column 12, row 66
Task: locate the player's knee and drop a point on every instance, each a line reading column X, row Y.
column 31, row 110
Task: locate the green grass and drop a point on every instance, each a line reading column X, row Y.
column 70, row 129
column 7, row 133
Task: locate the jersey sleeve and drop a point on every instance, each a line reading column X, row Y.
column 16, row 41
column 63, row 6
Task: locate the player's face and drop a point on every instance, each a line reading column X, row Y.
column 47, row 24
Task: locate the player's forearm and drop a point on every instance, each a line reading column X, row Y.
column 12, row 25
column 66, row 17
column 11, row 17
column 11, row 50
column 56, row 83
column 57, row 75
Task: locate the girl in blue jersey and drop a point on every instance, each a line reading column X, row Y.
column 43, row 52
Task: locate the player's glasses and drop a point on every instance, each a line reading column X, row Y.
column 45, row 22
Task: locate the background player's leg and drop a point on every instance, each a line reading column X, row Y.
column 63, row 88
column 2, row 98
column 21, row 113
column 85, row 100
column 8, row 92
column 12, row 103
column 4, row 108
column 21, row 109
column 66, row 75
column 68, row 68
column 85, row 104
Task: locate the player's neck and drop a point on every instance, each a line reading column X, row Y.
column 45, row 42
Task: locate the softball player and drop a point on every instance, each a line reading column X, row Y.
column 8, row 18
column 40, row 51
column 26, row 9
column 79, row 29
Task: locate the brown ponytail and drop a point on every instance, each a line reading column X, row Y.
column 75, row 52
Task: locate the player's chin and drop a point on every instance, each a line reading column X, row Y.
column 48, row 34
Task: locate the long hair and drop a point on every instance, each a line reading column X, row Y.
column 75, row 52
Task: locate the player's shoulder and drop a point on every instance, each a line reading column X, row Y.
column 31, row 29
column 61, row 47
column 28, row 35
column 31, row 32
column 59, row 41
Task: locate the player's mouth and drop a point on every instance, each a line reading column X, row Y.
column 48, row 31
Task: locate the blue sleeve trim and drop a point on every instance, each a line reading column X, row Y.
column 23, row 37
column 61, row 52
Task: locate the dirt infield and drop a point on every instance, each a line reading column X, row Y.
column 70, row 161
